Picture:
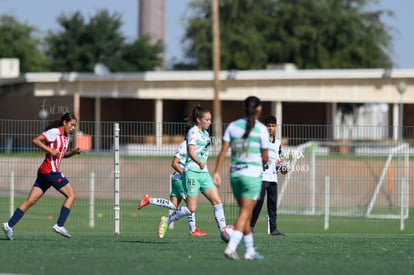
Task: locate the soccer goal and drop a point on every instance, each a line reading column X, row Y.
column 350, row 179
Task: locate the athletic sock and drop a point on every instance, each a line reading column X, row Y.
column 18, row 214
column 249, row 244
column 235, row 240
column 64, row 213
column 191, row 222
column 219, row 216
column 178, row 214
column 162, row 203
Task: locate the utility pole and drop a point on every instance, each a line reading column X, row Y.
column 216, row 67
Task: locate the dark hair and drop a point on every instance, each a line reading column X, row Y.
column 270, row 120
column 197, row 112
column 56, row 123
column 250, row 109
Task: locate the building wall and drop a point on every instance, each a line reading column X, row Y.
column 29, row 107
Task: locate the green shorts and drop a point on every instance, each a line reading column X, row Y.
column 194, row 181
column 177, row 189
column 248, row 187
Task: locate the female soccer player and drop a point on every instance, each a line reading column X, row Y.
column 177, row 191
column 196, row 175
column 54, row 141
column 248, row 139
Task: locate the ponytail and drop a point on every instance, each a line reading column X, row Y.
column 250, row 109
column 197, row 112
column 57, row 123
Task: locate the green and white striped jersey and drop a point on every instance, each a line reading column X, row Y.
column 246, row 157
column 201, row 141
column 181, row 154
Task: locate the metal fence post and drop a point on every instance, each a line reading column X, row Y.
column 116, row 178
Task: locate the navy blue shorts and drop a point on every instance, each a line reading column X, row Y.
column 55, row 179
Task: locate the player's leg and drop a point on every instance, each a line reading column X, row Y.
column 160, row 202
column 35, row 194
column 172, row 217
column 271, row 205
column 258, row 206
column 194, row 230
column 190, row 193
column 70, row 195
column 242, row 228
column 272, row 209
column 213, row 196
column 245, row 190
column 209, row 190
column 246, row 209
column 191, row 188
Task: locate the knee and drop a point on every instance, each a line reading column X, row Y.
column 72, row 196
column 192, row 208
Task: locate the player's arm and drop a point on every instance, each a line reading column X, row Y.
column 219, row 163
column 40, row 142
column 69, row 154
column 264, row 147
column 175, row 164
column 265, row 156
column 191, row 153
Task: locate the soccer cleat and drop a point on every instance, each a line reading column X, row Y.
column 62, row 231
column 144, row 202
column 8, row 231
column 277, row 233
column 255, row 256
column 198, row 233
column 232, row 255
column 163, row 227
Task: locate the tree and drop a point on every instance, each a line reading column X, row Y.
column 18, row 40
column 80, row 45
column 139, row 56
column 311, row 34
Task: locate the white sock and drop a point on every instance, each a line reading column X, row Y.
column 249, row 244
column 219, row 216
column 178, row 214
column 162, row 203
column 191, row 222
column 235, row 240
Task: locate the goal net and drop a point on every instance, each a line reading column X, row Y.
column 353, row 179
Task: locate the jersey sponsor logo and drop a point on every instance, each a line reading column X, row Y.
column 238, row 167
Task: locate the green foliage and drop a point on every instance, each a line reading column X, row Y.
column 18, row 40
column 322, row 34
column 81, row 44
column 139, row 56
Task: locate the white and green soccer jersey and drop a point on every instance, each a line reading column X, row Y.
column 246, row 157
column 201, row 141
column 275, row 149
column 181, row 154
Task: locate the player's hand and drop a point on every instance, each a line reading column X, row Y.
column 202, row 165
column 284, row 171
column 217, row 179
column 266, row 166
column 54, row 153
column 78, row 151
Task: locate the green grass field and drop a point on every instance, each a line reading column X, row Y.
column 177, row 253
column 350, row 246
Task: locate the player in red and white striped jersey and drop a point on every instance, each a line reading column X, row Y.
column 54, row 141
